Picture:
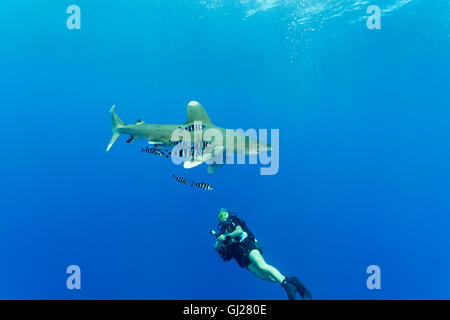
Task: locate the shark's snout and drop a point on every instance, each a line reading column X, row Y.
column 263, row 147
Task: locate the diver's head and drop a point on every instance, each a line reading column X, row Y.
column 223, row 214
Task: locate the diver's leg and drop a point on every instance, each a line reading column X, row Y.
column 260, row 274
column 258, row 261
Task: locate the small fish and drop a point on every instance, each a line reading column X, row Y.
column 154, row 151
column 207, row 144
column 195, row 127
column 182, row 180
column 202, row 185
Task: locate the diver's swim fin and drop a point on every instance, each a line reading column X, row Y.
column 302, row 290
column 290, row 290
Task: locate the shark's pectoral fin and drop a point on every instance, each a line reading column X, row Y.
column 192, row 163
column 213, row 168
column 199, row 160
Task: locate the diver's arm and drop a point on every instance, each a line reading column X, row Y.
column 236, row 234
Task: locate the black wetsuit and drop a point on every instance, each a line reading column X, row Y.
column 240, row 251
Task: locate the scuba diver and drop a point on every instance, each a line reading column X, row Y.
column 235, row 240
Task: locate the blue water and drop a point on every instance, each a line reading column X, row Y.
column 364, row 173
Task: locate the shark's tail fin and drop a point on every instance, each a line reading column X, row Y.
column 116, row 124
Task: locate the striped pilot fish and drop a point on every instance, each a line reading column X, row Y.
column 202, row 185
column 182, row 180
column 195, row 127
column 155, row 151
column 189, row 149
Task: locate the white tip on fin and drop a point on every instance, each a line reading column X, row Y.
column 196, row 112
column 191, row 164
column 115, row 136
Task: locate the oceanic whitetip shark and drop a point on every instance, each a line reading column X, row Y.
column 168, row 135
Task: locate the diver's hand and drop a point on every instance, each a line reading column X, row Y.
column 224, row 238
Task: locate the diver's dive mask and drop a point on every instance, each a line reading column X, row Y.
column 223, row 215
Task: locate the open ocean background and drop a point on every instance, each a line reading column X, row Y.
column 364, row 172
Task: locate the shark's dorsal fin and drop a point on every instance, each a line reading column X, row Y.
column 196, row 112
column 139, row 121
